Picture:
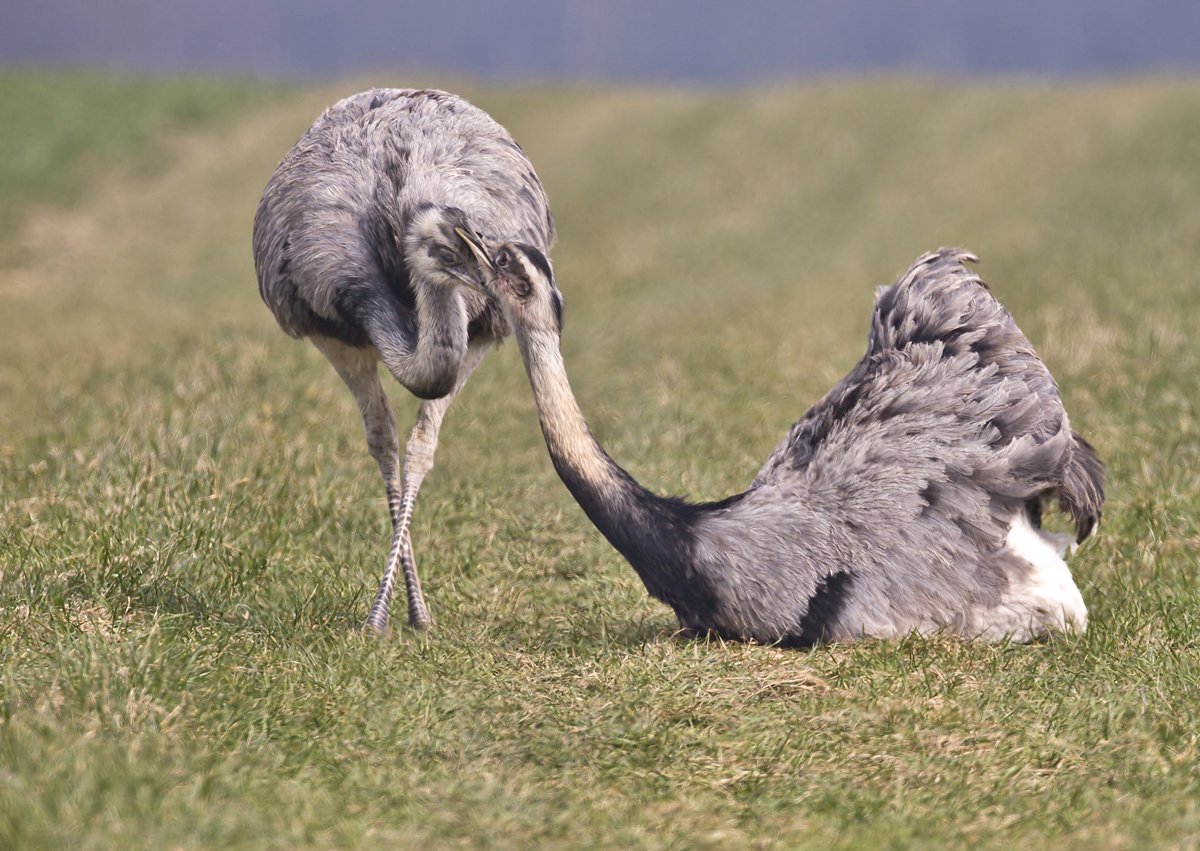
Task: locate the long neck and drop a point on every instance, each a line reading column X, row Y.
column 653, row 533
column 429, row 368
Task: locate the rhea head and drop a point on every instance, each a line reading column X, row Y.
column 436, row 250
column 519, row 277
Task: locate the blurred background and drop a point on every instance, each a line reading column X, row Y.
column 693, row 41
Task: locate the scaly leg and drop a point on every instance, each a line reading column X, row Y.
column 358, row 369
column 418, row 462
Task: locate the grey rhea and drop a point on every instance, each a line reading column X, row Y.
column 356, row 248
column 908, row 499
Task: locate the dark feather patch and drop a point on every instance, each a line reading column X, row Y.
column 556, row 300
column 653, row 533
column 1082, row 494
column 343, row 325
column 820, row 621
column 538, row 259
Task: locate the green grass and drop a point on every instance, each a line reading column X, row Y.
column 56, row 127
column 191, row 530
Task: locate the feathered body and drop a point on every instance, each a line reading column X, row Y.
column 329, row 232
column 908, row 499
column 356, row 247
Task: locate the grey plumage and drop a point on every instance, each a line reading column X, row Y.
column 908, row 499
column 356, row 248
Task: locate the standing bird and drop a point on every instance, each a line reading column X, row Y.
column 355, row 248
column 907, row 500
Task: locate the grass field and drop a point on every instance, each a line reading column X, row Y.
column 191, row 530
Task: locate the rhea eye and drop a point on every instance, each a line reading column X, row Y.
column 502, row 259
column 445, row 256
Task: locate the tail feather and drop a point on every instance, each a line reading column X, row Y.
column 1082, row 493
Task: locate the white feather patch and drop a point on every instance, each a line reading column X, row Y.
column 1046, row 600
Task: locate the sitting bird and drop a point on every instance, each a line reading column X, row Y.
column 355, row 247
column 907, row 500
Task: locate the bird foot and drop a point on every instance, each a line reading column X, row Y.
column 377, row 627
column 382, row 628
column 379, row 622
column 421, row 622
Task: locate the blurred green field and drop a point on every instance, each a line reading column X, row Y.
column 191, row 530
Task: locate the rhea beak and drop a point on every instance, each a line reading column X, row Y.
column 475, row 243
column 468, row 281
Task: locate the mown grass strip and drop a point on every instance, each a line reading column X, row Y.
column 190, row 527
